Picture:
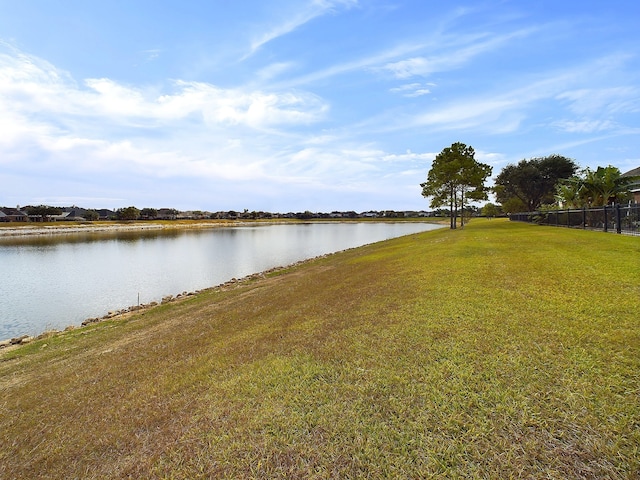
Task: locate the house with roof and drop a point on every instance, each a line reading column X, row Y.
column 71, row 214
column 635, row 186
column 106, row 214
column 167, row 214
column 13, row 215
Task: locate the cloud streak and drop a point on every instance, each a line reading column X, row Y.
column 456, row 52
column 37, row 89
column 309, row 12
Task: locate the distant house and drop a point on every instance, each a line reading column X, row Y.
column 635, row 187
column 106, row 214
column 167, row 214
column 71, row 214
column 13, row 215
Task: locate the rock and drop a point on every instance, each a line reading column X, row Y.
column 5, row 343
column 26, row 340
column 17, row 340
column 47, row 334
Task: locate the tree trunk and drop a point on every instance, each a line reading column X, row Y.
column 461, row 208
column 453, row 209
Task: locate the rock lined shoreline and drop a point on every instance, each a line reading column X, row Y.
column 115, row 314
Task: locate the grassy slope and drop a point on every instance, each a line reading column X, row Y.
column 501, row 350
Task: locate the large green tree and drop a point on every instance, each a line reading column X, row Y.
column 532, row 182
column 455, row 178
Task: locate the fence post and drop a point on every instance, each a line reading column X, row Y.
column 618, row 219
column 584, row 217
column 606, row 220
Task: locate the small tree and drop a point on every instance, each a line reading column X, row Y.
column 490, row 210
column 455, row 178
column 128, row 213
column 150, row 213
column 91, row 215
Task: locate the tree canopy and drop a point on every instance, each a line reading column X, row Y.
column 43, row 211
column 599, row 187
column 531, row 183
column 149, row 213
column 128, row 213
column 455, row 178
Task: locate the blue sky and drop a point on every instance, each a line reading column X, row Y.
column 300, row 105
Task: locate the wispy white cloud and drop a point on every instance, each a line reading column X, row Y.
column 36, row 88
column 413, row 90
column 273, row 70
column 196, row 129
column 585, row 126
column 455, row 52
column 310, row 11
column 504, row 111
column 612, row 100
column 150, row 55
column 255, row 109
column 408, row 156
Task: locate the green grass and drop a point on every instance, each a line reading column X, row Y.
column 502, row 350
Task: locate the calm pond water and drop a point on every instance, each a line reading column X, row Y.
column 61, row 280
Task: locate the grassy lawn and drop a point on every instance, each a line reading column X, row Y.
column 502, row 350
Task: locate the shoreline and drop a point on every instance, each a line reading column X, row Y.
column 9, row 344
column 39, row 231
column 28, row 230
column 133, row 226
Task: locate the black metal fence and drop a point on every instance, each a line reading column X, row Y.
column 612, row 218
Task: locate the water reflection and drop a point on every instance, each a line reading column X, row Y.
column 46, row 239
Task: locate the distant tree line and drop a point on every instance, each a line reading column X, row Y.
column 131, row 213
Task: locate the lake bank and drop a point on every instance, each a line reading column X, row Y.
column 496, row 351
column 101, row 227
column 81, row 276
column 9, row 344
column 57, row 228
